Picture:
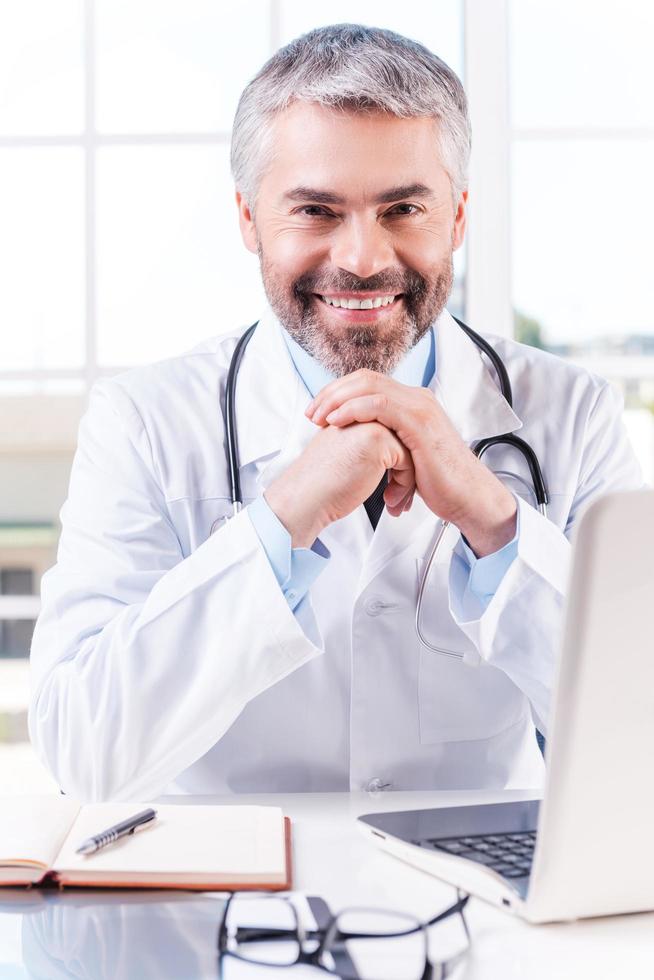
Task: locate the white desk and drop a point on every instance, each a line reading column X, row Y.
column 332, row 858
column 81, row 934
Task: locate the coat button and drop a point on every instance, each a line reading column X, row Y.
column 376, row 604
column 376, row 785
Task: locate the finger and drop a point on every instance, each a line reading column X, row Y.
column 403, row 476
column 395, row 494
column 397, row 497
column 396, row 509
column 351, row 386
column 361, row 377
column 401, row 487
column 404, row 420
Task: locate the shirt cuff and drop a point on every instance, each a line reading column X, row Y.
column 296, row 569
column 486, row 573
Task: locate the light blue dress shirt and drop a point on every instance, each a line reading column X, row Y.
column 296, row 569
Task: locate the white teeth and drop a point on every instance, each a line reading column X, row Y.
column 358, row 304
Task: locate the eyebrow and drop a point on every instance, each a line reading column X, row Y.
column 387, row 197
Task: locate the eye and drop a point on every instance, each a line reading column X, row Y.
column 313, row 210
column 415, row 210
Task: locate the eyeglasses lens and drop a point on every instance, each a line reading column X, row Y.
column 391, row 946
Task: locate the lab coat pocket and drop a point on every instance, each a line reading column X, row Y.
column 460, row 697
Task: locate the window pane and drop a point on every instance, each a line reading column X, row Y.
column 164, row 66
column 41, row 67
column 585, row 63
column 172, row 268
column 581, row 247
column 438, row 25
column 581, row 266
column 42, row 257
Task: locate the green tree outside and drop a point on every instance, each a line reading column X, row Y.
column 528, row 331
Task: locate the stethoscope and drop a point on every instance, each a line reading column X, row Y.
column 537, row 490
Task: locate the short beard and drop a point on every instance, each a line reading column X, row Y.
column 358, row 346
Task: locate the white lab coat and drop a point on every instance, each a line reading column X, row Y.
column 166, row 659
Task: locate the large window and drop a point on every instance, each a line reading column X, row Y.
column 582, row 198
column 119, row 241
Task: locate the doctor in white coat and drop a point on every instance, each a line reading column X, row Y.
column 279, row 652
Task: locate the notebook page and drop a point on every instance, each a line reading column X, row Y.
column 33, row 828
column 187, row 839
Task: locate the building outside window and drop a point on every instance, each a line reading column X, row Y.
column 15, row 634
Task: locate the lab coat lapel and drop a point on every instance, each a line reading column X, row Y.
column 466, row 386
column 270, row 401
column 268, row 390
column 468, row 391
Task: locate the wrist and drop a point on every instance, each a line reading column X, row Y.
column 489, row 533
column 300, row 522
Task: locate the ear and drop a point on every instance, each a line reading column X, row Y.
column 246, row 223
column 459, row 229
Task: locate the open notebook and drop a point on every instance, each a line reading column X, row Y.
column 187, row 846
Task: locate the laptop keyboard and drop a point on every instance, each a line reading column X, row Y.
column 508, row 854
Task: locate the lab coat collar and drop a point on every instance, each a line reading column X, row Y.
column 466, row 386
column 270, row 395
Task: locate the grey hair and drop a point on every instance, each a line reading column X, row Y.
column 351, row 68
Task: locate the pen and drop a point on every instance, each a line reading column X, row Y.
column 113, row 833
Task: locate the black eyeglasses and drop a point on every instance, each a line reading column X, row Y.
column 403, row 954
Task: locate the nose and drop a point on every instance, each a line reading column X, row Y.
column 362, row 246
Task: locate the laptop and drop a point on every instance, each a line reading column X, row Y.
column 588, row 848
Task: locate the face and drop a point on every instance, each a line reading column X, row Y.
column 355, row 229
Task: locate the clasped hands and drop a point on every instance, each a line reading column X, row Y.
column 369, row 423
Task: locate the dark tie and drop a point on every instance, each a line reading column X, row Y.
column 375, row 503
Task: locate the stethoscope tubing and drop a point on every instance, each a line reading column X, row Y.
column 231, row 434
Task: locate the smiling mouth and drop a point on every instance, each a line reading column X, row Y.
column 360, row 304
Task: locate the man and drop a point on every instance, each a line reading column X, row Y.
column 279, row 653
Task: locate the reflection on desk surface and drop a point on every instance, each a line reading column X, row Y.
column 121, row 935
column 148, row 935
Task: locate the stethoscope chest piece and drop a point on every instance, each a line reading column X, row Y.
column 224, row 518
column 217, row 524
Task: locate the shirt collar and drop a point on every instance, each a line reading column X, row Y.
column 416, row 368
